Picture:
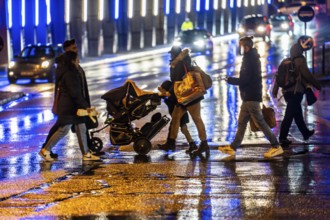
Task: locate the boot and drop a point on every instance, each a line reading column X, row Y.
column 192, row 147
column 203, row 147
column 169, row 145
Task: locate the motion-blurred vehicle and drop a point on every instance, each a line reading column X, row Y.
column 198, row 40
column 282, row 23
column 34, row 62
column 255, row 25
column 293, row 8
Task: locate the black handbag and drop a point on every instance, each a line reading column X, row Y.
column 90, row 124
column 310, row 96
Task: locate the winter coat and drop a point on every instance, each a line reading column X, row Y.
column 73, row 93
column 305, row 77
column 178, row 68
column 249, row 80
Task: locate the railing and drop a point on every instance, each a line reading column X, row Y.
column 321, row 59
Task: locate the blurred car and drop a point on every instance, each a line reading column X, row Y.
column 34, row 62
column 282, row 23
column 255, row 25
column 198, row 40
column 293, row 8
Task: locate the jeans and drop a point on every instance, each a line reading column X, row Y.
column 250, row 109
column 63, row 130
column 293, row 111
column 195, row 113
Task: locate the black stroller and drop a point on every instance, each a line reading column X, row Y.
column 124, row 105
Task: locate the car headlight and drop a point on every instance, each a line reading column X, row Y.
column 285, row 25
column 45, row 64
column 240, row 30
column 11, row 64
column 261, row 29
column 199, row 43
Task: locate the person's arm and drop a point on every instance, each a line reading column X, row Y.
column 306, row 75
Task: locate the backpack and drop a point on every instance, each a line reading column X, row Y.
column 206, row 78
column 286, row 76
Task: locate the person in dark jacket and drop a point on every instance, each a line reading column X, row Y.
column 71, row 98
column 294, row 95
column 171, row 101
column 68, row 45
column 180, row 64
column 250, row 87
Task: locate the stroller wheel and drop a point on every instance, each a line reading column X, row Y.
column 96, row 144
column 142, row 145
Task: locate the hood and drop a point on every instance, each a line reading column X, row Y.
column 296, row 50
column 184, row 53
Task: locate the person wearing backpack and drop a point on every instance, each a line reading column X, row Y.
column 294, row 94
column 250, row 87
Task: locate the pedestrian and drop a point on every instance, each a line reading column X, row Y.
column 68, row 45
column 187, row 25
column 71, row 98
column 171, row 101
column 294, row 94
column 250, row 87
column 180, row 63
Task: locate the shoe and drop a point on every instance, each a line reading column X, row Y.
column 192, row 147
column 203, row 147
column 53, row 155
column 273, row 152
column 45, row 154
column 227, row 149
column 285, row 141
column 169, row 145
column 90, row 156
column 309, row 134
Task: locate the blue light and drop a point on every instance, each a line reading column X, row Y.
column 167, row 7
column 198, row 5
column 23, row 13
column 207, row 5
column 10, row 13
column 116, row 9
column 231, row 3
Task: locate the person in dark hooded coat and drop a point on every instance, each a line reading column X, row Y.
column 294, row 95
column 71, row 98
column 250, row 87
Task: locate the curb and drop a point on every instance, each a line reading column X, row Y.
column 6, row 97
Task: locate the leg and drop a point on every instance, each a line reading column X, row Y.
column 185, row 131
column 256, row 114
column 243, row 119
column 195, row 113
column 53, row 140
column 52, row 130
column 57, row 136
column 178, row 111
column 298, row 114
column 82, row 140
column 288, row 115
column 82, row 137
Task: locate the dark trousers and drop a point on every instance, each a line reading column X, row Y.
column 293, row 111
